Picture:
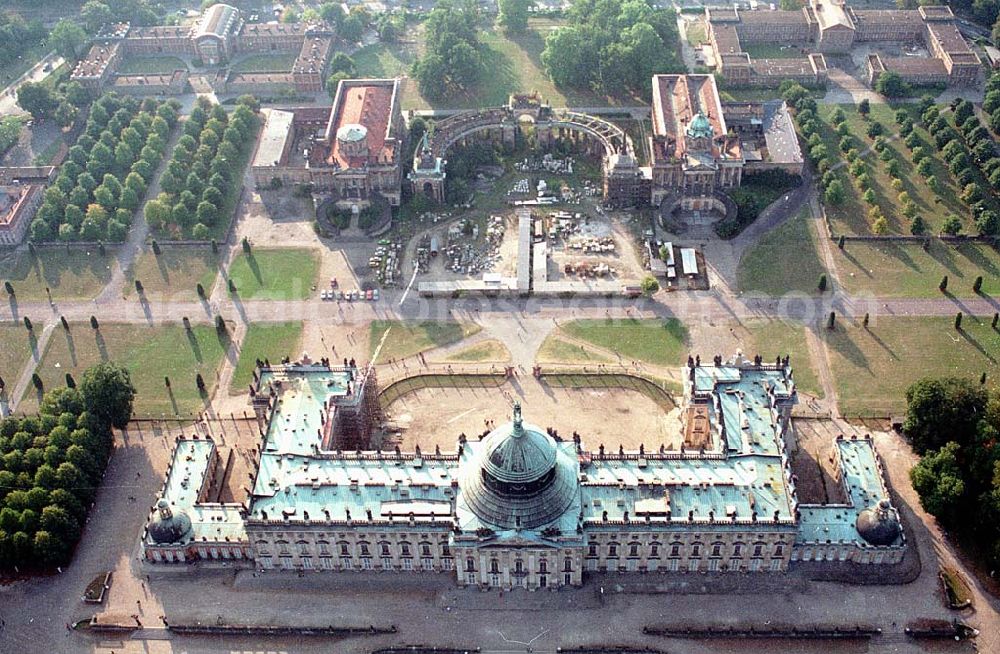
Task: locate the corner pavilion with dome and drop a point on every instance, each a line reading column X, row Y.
column 522, row 507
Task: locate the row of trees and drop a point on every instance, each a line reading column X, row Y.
column 454, row 59
column 971, row 156
column 61, row 102
column 95, row 13
column 106, row 172
column 613, row 47
column 955, row 425
column 51, row 466
column 204, row 167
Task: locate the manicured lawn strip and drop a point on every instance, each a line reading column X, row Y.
column 889, row 269
column 773, row 51
column 151, row 65
column 264, row 63
column 696, row 33
column 275, row 274
column 270, row 341
column 484, row 351
column 785, row 260
column 410, row 337
column 558, row 350
column 659, row 342
column 174, row 274
column 15, row 348
column 149, row 354
column 70, row 274
column 874, row 367
column 774, row 338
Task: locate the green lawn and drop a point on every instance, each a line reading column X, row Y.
column 174, row 274
column 874, row 367
column 270, row 341
column 151, row 65
column 773, row 51
column 786, row 259
column 851, row 217
column 484, row 351
column 15, row 347
column 659, row 342
column 409, row 338
column 774, row 338
column 889, row 269
column 45, row 157
column 149, row 354
column 558, row 350
column 265, row 63
column 275, row 274
column 70, row 274
column 696, row 33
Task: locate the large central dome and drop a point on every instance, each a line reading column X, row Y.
column 519, row 477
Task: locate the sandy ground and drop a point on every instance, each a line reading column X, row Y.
column 432, row 417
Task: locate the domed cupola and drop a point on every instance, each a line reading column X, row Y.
column 519, row 477
column 879, row 524
column 170, row 526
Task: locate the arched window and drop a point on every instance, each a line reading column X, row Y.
column 675, row 549
column 779, row 549
column 494, row 566
column 364, row 549
column 425, row 549
column 262, row 548
column 696, row 550
column 633, row 549
column 567, row 565
column 470, row 565
column 737, row 549
column 758, row 549
column 344, row 547
column 717, row 548
column 654, row 550
column 384, row 548
column 404, row 549
column 612, row 549
column 543, row 566
column 592, row 549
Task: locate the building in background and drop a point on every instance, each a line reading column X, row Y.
column 22, row 189
column 825, row 27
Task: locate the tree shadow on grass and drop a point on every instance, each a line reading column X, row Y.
column 33, row 345
column 941, row 253
column 71, row 347
column 12, row 302
column 102, row 347
column 971, row 340
column 173, row 400
column 840, row 341
column 975, row 255
column 193, row 342
column 882, row 344
column 255, row 268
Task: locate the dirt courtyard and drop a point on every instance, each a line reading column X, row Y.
column 431, row 417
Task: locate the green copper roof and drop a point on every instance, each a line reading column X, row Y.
column 700, row 127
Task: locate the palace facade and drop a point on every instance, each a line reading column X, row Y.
column 219, row 36
column 521, row 507
column 832, row 27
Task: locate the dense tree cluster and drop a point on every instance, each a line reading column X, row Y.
column 349, row 25
column 613, row 47
column 454, row 56
column 341, row 67
column 513, row 15
column 51, row 466
column 755, row 194
column 95, row 13
column 16, row 36
column 891, row 85
column 955, row 425
column 107, row 171
column 203, row 169
column 10, row 132
column 970, row 152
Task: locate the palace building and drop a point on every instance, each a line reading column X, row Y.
column 520, row 506
column 349, row 151
column 220, row 36
column 832, row 27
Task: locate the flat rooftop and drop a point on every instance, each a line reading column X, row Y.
column 273, row 138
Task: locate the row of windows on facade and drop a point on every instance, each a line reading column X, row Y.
column 344, row 548
column 717, row 549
